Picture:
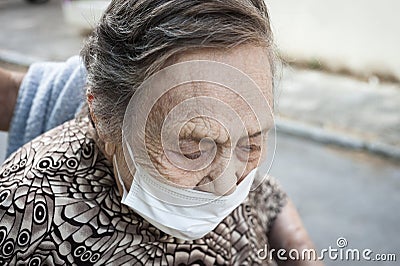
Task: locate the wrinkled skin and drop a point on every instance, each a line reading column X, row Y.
column 245, row 152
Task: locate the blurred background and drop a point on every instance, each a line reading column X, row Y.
column 337, row 105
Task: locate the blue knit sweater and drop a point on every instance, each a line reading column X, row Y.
column 50, row 94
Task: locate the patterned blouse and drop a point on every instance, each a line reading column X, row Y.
column 59, row 205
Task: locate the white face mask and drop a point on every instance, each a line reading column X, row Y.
column 183, row 213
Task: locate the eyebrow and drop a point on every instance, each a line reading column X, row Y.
column 264, row 130
column 256, row 134
column 191, row 138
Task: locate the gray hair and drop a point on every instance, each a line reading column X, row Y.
column 135, row 38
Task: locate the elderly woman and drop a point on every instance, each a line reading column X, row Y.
column 158, row 167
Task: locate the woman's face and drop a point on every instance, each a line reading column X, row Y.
column 207, row 139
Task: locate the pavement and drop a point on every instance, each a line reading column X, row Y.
column 342, row 193
column 338, row 148
column 340, row 109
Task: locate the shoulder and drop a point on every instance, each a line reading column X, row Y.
column 69, row 140
column 268, row 199
column 50, row 188
column 63, row 151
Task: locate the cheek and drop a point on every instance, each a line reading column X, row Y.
column 176, row 175
column 249, row 167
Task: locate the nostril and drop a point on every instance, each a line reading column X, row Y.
column 239, row 180
column 219, row 187
column 241, row 176
column 204, row 181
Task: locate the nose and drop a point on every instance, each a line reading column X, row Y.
column 219, row 184
column 223, row 176
column 225, row 185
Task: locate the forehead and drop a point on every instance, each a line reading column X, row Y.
column 214, row 103
column 251, row 60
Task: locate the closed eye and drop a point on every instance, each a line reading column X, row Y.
column 193, row 149
column 251, row 148
column 193, row 155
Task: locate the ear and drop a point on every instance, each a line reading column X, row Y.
column 90, row 99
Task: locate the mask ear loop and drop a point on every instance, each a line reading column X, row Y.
column 120, row 178
column 128, row 146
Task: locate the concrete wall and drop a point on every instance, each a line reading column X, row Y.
column 360, row 35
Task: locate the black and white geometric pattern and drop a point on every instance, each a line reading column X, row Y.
column 59, row 205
